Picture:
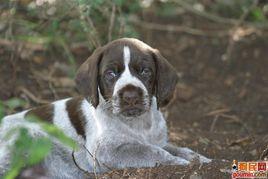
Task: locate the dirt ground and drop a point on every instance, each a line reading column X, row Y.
column 220, row 108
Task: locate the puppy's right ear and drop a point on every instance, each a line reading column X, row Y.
column 87, row 77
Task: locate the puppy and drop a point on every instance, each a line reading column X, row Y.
column 117, row 122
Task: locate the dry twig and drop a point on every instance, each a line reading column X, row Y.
column 95, row 35
column 32, row 96
column 111, row 26
column 214, row 123
column 237, row 25
column 96, row 160
column 217, row 112
column 215, row 18
column 29, row 46
column 122, row 22
column 221, row 113
column 264, row 155
column 177, row 28
column 83, row 170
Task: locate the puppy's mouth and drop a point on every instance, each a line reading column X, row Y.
column 130, row 101
column 133, row 111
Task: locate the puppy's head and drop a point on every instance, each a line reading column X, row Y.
column 127, row 73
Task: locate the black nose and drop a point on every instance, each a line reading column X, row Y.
column 130, row 97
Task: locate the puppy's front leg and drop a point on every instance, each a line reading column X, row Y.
column 186, row 153
column 136, row 154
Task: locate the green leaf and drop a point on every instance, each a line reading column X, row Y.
column 53, row 131
column 27, row 151
column 118, row 2
column 35, row 39
column 10, row 133
column 58, row 134
column 18, row 153
column 38, row 150
column 11, row 174
column 14, row 103
column 2, row 112
column 257, row 14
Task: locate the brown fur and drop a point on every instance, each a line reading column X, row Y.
column 44, row 112
column 73, row 107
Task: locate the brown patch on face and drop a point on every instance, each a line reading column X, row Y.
column 111, row 67
column 142, row 66
column 44, row 112
column 73, row 107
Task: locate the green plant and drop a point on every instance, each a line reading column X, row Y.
column 1, row 111
column 11, row 105
column 64, row 24
column 28, row 151
column 14, row 103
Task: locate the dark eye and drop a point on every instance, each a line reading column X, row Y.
column 110, row 74
column 146, row 72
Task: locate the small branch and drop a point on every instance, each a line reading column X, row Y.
column 237, row 24
column 92, row 35
column 76, row 164
column 264, row 155
column 231, row 117
column 214, row 123
column 55, row 94
column 111, row 26
column 33, row 97
column 96, row 160
column 188, row 7
column 95, row 35
column 27, row 45
column 122, row 22
column 176, row 28
column 212, row 17
column 217, row 112
column 220, row 113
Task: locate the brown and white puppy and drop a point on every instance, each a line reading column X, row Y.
column 124, row 83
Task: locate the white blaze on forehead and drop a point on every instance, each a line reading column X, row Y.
column 126, row 55
column 126, row 77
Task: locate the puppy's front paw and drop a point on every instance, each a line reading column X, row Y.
column 203, row 159
column 179, row 161
column 190, row 155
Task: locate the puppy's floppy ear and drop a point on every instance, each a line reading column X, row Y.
column 166, row 79
column 87, row 77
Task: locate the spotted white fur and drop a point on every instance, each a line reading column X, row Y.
column 143, row 139
column 103, row 132
column 60, row 116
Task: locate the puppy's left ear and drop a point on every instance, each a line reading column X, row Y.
column 166, row 79
column 87, row 77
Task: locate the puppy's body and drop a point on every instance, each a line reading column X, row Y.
column 121, row 126
column 104, row 136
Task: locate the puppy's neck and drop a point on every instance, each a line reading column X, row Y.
column 142, row 122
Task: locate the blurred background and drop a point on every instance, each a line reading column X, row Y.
column 219, row 48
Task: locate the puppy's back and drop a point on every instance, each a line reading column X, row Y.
column 66, row 114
